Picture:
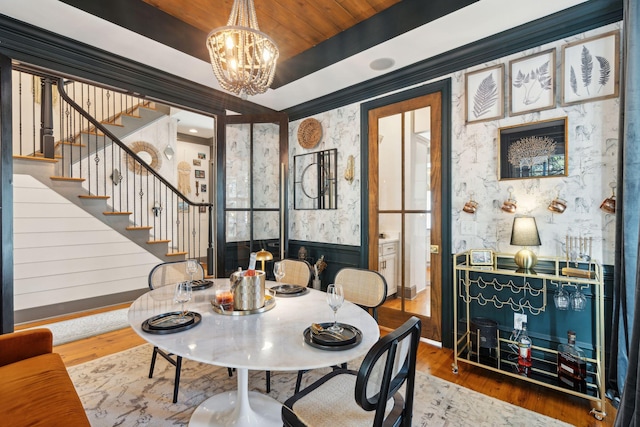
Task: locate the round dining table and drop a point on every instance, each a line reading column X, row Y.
column 272, row 340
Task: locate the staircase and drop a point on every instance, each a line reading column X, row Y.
column 95, row 170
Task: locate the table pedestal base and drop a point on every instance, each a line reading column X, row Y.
column 238, row 408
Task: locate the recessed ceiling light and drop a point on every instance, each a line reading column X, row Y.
column 382, row 64
column 193, row 130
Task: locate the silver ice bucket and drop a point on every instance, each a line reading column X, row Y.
column 248, row 291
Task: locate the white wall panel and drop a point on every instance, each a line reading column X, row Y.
column 63, row 254
column 38, row 254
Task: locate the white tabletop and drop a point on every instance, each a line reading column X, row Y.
column 272, row 340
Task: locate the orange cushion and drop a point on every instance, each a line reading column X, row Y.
column 38, row 392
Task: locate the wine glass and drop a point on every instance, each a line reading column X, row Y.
column 335, row 298
column 278, row 270
column 181, row 296
column 192, row 268
column 578, row 300
column 561, row 299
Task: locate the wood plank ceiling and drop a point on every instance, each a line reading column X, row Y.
column 295, row 25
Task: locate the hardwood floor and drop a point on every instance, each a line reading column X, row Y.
column 433, row 360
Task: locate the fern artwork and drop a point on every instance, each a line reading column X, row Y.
column 485, row 94
column 590, row 69
column 533, row 83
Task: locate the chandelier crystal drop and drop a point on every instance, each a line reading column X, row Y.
column 243, row 57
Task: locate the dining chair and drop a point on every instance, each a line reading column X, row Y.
column 372, row 396
column 169, row 274
column 366, row 288
column 296, row 272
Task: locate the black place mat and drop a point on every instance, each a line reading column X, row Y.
column 198, row 285
column 354, row 338
column 164, row 323
column 289, row 290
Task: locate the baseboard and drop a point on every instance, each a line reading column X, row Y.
column 60, row 309
column 410, row 292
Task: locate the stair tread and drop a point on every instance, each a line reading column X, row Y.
column 176, row 253
column 91, row 196
column 117, row 213
column 142, row 227
column 36, row 159
column 66, row 178
column 153, row 242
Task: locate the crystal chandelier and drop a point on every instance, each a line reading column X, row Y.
column 243, row 57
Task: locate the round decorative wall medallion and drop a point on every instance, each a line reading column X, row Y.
column 146, row 152
column 309, row 133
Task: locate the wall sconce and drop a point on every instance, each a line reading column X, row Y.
column 470, row 207
column 510, row 205
column 349, row 172
column 157, row 209
column 609, row 204
column 116, row 176
column 525, row 233
column 557, row 205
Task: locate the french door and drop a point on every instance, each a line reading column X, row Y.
column 251, row 189
column 405, row 219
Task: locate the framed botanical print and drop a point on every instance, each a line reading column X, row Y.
column 533, row 150
column 532, row 83
column 590, row 69
column 484, row 94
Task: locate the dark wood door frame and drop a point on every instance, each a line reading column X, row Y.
column 444, row 207
column 6, row 198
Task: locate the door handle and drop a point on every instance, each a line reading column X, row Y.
column 435, row 249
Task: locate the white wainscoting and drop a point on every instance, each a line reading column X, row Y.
column 63, row 254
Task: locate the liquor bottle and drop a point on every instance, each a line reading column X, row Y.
column 572, row 367
column 251, row 271
column 524, row 352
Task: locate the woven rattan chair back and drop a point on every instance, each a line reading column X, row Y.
column 367, row 288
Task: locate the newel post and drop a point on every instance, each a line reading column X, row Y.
column 47, row 142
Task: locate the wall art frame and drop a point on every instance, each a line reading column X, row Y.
column 484, row 94
column 199, row 173
column 532, row 83
column 533, row 150
column 591, row 69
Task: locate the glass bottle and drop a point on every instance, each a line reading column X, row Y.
column 572, row 367
column 524, row 352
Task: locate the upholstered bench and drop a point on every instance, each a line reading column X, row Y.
column 35, row 388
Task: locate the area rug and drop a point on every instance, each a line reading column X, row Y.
column 116, row 391
column 87, row 326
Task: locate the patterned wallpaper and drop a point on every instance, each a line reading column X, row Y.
column 592, row 152
column 341, row 130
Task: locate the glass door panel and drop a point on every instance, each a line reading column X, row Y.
column 416, row 160
column 390, row 165
column 265, row 167
column 238, row 167
column 416, row 266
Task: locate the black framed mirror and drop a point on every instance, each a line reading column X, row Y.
column 315, row 185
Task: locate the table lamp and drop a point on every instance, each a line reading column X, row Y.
column 263, row 256
column 525, row 233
